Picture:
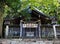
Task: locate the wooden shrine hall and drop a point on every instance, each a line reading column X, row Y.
column 18, row 27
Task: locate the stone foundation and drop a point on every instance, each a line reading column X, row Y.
column 19, row 41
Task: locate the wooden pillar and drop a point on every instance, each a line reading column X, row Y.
column 55, row 34
column 39, row 28
column 54, row 22
column 21, row 28
column 6, row 31
column 36, row 33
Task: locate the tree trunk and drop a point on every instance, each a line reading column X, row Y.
column 1, row 23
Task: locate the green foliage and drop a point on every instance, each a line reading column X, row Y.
column 47, row 6
column 14, row 7
column 15, row 4
column 11, row 7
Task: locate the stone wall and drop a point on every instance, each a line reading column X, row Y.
column 18, row 41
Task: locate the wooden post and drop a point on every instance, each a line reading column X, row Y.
column 6, row 31
column 55, row 34
column 20, row 28
column 36, row 32
column 39, row 29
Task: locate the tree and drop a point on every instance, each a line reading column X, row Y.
column 6, row 6
column 49, row 7
column 1, row 15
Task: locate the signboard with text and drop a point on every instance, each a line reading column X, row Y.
column 30, row 25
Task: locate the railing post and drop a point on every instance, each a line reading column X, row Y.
column 6, row 31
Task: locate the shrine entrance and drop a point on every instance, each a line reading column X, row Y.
column 30, row 30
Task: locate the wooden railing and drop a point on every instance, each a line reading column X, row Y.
column 46, row 32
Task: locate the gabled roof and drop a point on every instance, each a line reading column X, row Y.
column 28, row 11
column 39, row 12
